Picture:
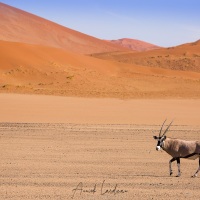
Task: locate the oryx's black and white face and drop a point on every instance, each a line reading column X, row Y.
column 160, row 142
column 161, row 137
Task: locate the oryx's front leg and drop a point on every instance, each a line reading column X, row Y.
column 170, row 166
column 195, row 175
column 178, row 164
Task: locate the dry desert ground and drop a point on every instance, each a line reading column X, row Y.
column 79, row 148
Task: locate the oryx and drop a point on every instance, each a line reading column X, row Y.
column 178, row 149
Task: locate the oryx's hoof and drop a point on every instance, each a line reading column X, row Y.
column 171, row 173
column 195, row 175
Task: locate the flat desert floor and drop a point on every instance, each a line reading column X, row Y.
column 76, row 148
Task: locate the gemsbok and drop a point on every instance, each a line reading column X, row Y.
column 178, row 149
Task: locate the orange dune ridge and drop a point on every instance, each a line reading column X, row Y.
column 26, row 68
column 19, row 26
column 185, row 57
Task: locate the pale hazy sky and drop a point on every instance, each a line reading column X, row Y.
column 162, row 22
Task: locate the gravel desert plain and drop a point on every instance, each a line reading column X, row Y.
column 78, row 114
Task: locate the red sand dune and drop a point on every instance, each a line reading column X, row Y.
column 19, row 26
column 136, row 45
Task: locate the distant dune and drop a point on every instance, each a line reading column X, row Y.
column 185, row 57
column 19, row 26
column 133, row 44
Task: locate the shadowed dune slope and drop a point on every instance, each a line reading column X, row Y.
column 185, row 57
column 133, row 44
column 26, row 68
column 19, row 26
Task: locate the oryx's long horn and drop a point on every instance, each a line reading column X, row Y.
column 167, row 128
column 162, row 127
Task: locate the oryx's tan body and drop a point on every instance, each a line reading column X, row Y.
column 181, row 148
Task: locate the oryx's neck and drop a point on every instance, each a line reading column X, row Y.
column 167, row 143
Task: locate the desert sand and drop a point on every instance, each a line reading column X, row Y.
column 93, row 148
column 55, row 109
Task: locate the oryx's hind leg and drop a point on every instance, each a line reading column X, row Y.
column 195, row 175
column 179, row 170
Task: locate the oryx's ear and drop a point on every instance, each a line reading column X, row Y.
column 155, row 137
column 165, row 137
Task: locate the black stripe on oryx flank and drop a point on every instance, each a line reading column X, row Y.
column 190, row 155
